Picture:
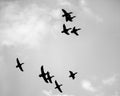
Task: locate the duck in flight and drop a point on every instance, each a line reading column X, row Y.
column 65, row 30
column 19, row 65
column 72, row 75
column 58, row 86
column 46, row 76
column 43, row 74
column 49, row 78
column 74, row 30
column 67, row 15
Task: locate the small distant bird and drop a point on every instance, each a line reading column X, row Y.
column 49, row 77
column 67, row 15
column 72, row 75
column 74, row 30
column 43, row 74
column 58, row 86
column 65, row 30
column 19, row 65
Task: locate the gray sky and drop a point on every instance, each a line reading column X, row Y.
column 31, row 31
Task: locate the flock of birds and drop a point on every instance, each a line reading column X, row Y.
column 69, row 18
column 46, row 75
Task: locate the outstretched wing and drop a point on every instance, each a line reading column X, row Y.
column 70, row 12
column 18, row 62
column 76, row 33
column 79, row 29
column 42, row 69
column 75, row 72
column 60, row 89
column 73, row 17
column 64, row 11
column 71, row 72
column 56, row 83
column 21, row 68
column 64, row 27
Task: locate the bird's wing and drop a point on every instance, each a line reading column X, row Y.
column 79, row 28
column 18, row 62
column 64, row 11
column 76, row 72
column 71, row 72
column 69, row 28
column 59, row 89
column 76, row 33
column 56, row 83
column 42, row 69
column 21, row 68
column 70, row 12
column 67, row 33
column 73, row 17
column 64, row 27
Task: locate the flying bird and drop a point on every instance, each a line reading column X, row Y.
column 72, row 75
column 43, row 74
column 67, row 15
column 65, row 30
column 58, row 86
column 74, row 30
column 49, row 78
column 19, row 65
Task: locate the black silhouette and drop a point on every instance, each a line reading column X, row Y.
column 49, row 77
column 67, row 15
column 74, row 30
column 43, row 74
column 19, row 65
column 58, row 86
column 65, row 30
column 72, row 74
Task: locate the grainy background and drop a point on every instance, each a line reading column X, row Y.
column 31, row 31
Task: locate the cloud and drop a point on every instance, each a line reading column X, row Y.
column 49, row 93
column 64, row 2
column 83, row 3
column 110, row 80
column 89, row 12
column 56, row 13
column 26, row 26
column 88, row 86
column 116, row 93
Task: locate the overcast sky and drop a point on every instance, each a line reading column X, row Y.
column 31, row 31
